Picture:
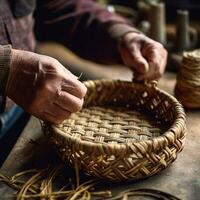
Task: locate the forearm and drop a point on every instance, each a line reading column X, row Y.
column 5, row 57
column 83, row 26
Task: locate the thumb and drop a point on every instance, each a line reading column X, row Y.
column 138, row 62
column 133, row 58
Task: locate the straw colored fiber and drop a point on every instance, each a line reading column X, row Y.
column 125, row 131
column 188, row 80
column 40, row 184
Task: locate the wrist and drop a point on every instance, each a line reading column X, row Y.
column 119, row 30
column 5, row 58
column 15, row 58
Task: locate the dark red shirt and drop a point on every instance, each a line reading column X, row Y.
column 81, row 25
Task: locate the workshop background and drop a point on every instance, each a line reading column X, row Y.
column 176, row 24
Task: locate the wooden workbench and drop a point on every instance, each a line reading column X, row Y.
column 181, row 179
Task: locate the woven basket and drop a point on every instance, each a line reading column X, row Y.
column 125, row 131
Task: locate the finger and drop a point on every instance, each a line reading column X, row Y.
column 68, row 102
column 132, row 57
column 74, row 87
column 152, row 74
column 69, row 73
column 55, row 117
column 52, row 62
column 139, row 63
column 157, row 56
column 155, row 72
column 136, row 61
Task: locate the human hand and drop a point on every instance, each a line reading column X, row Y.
column 146, row 57
column 43, row 86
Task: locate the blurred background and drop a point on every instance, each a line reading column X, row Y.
column 173, row 23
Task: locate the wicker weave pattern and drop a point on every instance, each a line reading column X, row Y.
column 108, row 125
column 126, row 131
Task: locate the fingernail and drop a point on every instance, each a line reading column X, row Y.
column 146, row 67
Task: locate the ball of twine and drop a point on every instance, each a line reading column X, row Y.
column 188, row 80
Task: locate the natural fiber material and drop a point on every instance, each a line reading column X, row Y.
column 188, row 80
column 125, row 131
column 39, row 184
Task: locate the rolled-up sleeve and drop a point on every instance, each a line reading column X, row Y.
column 5, row 57
column 83, row 26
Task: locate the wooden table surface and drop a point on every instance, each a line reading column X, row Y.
column 181, row 179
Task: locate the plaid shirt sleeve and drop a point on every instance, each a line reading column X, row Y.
column 5, row 56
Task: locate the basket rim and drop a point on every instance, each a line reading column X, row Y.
column 176, row 130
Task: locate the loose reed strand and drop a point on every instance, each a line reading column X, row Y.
column 38, row 184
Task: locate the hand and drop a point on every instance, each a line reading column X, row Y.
column 145, row 56
column 43, row 86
